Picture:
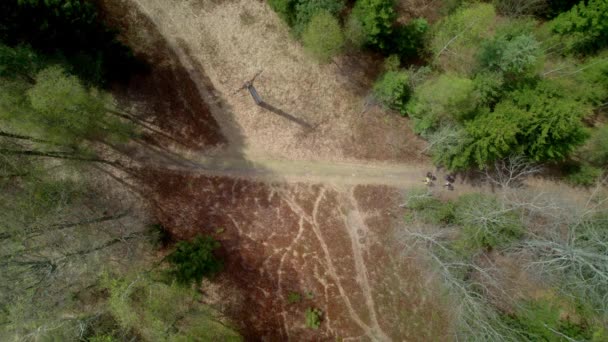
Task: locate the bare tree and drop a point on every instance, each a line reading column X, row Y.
column 511, row 172
column 573, row 251
column 466, row 283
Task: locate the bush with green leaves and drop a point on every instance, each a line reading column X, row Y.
column 448, row 145
column 391, row 63
column 408, row 40
column 306, row 9
column 597, row 150
column 486, row 223
column 393, row 90
column 429, row 209
column 313, row 318
column 582, row 174
column 544, row 320
column 442, row 100
column 584, row 27
column 194, row 260
column 294, row 297
column 323, row 37
column 376, row 18
column 585, row 81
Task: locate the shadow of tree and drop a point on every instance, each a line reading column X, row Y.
column 284, row 114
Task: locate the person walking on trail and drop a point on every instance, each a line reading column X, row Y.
column 449, row 180
column 428, row 180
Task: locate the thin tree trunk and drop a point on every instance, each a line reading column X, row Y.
column 56, row 154
column 25, row 137
column 58, row 227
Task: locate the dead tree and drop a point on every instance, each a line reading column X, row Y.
column 252, row 91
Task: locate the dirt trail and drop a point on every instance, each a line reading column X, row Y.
column 400, row 176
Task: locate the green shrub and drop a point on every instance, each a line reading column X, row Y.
column 313, row 318
column 392, row 63
column 544, row 320
column 584, row 27
column 448, row 146
column 376, row 18
column 354, row 33
column 193, row 260
column 408, row 40
column 294, row 297
column 442, row 100
column 323, row 37
column 429, row 209
column 597, row 152
column 393, row 90
column 485, row 222
column 306, row 10
column 582, row 174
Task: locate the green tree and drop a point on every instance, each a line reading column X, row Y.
column 194, row 260
column 538, row 122
column 376, row 18
column 306, row 10
column 554, row 128
column 489, row 88
column 585, row 81
column 455, row 39
column 585, row 26
column 408, row 40
column 492, row 136
column 514, row 57
column 392, row 89
column 323, row 37
column 442, row 100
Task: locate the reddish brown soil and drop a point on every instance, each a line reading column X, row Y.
column 282, row 239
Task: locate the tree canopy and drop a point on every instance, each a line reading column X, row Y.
column 323, row 37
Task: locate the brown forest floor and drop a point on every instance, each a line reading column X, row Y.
column 296, row 209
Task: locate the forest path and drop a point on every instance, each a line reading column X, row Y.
column 400, row 176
